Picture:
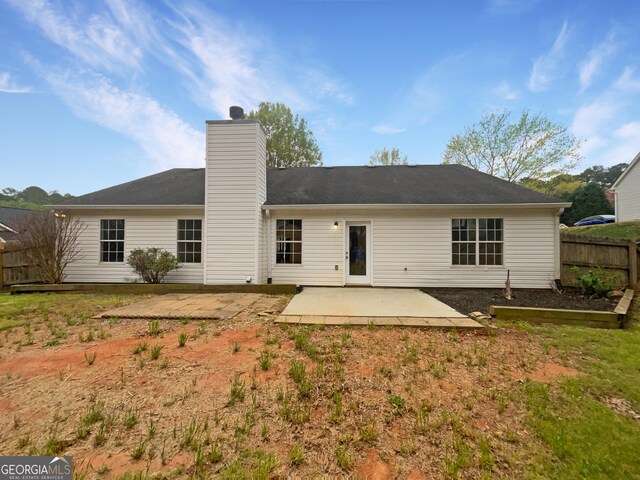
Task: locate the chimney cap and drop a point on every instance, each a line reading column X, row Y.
column 236, row 113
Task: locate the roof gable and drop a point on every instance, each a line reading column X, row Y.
column 626, row 171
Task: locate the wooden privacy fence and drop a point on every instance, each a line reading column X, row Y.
column 618, row 257
column 14, row 266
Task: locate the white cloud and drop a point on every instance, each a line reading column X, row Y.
column 161, row 134
column 8, row 85
column 95, row 39
column 627, row 82
column 505, row 92
column 229, row 65
column 590, row 66
column 219, row 63
column 544, row 67
column 590, row 119
column 606, row 141
column 387, row 129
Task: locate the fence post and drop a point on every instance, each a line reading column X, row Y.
column 633, row 263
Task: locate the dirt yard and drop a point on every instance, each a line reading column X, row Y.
column 467, row 300
column 244, row 398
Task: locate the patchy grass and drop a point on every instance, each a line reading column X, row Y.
column 248, row 399
column 628, row 230
column 573, row 416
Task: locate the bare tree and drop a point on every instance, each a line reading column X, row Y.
column 51, row 242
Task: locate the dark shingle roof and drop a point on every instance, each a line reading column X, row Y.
column 10, row 216
column 178, row 186
column 397, row 185
column 392, row 185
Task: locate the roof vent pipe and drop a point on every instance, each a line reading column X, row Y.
column 236, row 113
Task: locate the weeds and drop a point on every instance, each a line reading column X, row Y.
column 237, row 392
column 154, row 328
column 138, row 451
column 130, row 419
column 397, row 404
column 343, row 458
column 296, row 455
column 369, row 433
column 140, row 347
column 90, row 358
column 155, row 351
column 265, row 359
column 182, row 340
column 215, row 453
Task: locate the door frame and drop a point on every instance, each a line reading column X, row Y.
column 364, row 280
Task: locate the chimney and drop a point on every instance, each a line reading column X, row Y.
column 236, row 113
column 235, row 190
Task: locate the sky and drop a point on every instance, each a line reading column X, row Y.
column 96, row 93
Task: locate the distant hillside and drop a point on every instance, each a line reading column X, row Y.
column 31, row 197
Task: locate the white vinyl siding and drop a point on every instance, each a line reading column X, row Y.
column 235, row 191
column 322, row 250
column 142, row 230
column 413, row 248
column 628, row 195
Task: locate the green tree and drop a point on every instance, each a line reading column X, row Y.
column 533, row 146
column 290, row 143
column 33, row 197
column 388, row 157
column 33, row 194
column 558, row 186
column 602, row 175
column 587, row 200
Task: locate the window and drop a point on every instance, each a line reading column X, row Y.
column 477, row 241
column 190, row 241
column 463, row 231
column 112, row 240
column 289, row 241
column 490, row 241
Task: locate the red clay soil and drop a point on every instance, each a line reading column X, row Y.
column 466, row 300
column 546, row 373
column 456, row 378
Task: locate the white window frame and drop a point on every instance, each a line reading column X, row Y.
column 179, row 241
column 287, row 242
column 124, row 234
column 477, row 242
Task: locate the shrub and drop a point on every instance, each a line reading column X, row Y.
column 596, row 282
column 152, row 264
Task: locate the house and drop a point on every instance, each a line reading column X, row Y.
column 235, row 221
column 627, row 192
column 10, row 219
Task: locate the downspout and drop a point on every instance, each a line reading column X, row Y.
column 557, row 267
column 267, row 213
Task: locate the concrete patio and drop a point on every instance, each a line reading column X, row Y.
column 378, row 306
column 214, row 306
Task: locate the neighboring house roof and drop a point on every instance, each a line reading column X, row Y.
column 388, row 185
column 626, row 171
column 10, row 216
column 9, row 219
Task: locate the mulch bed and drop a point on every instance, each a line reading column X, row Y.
column 467, row 300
